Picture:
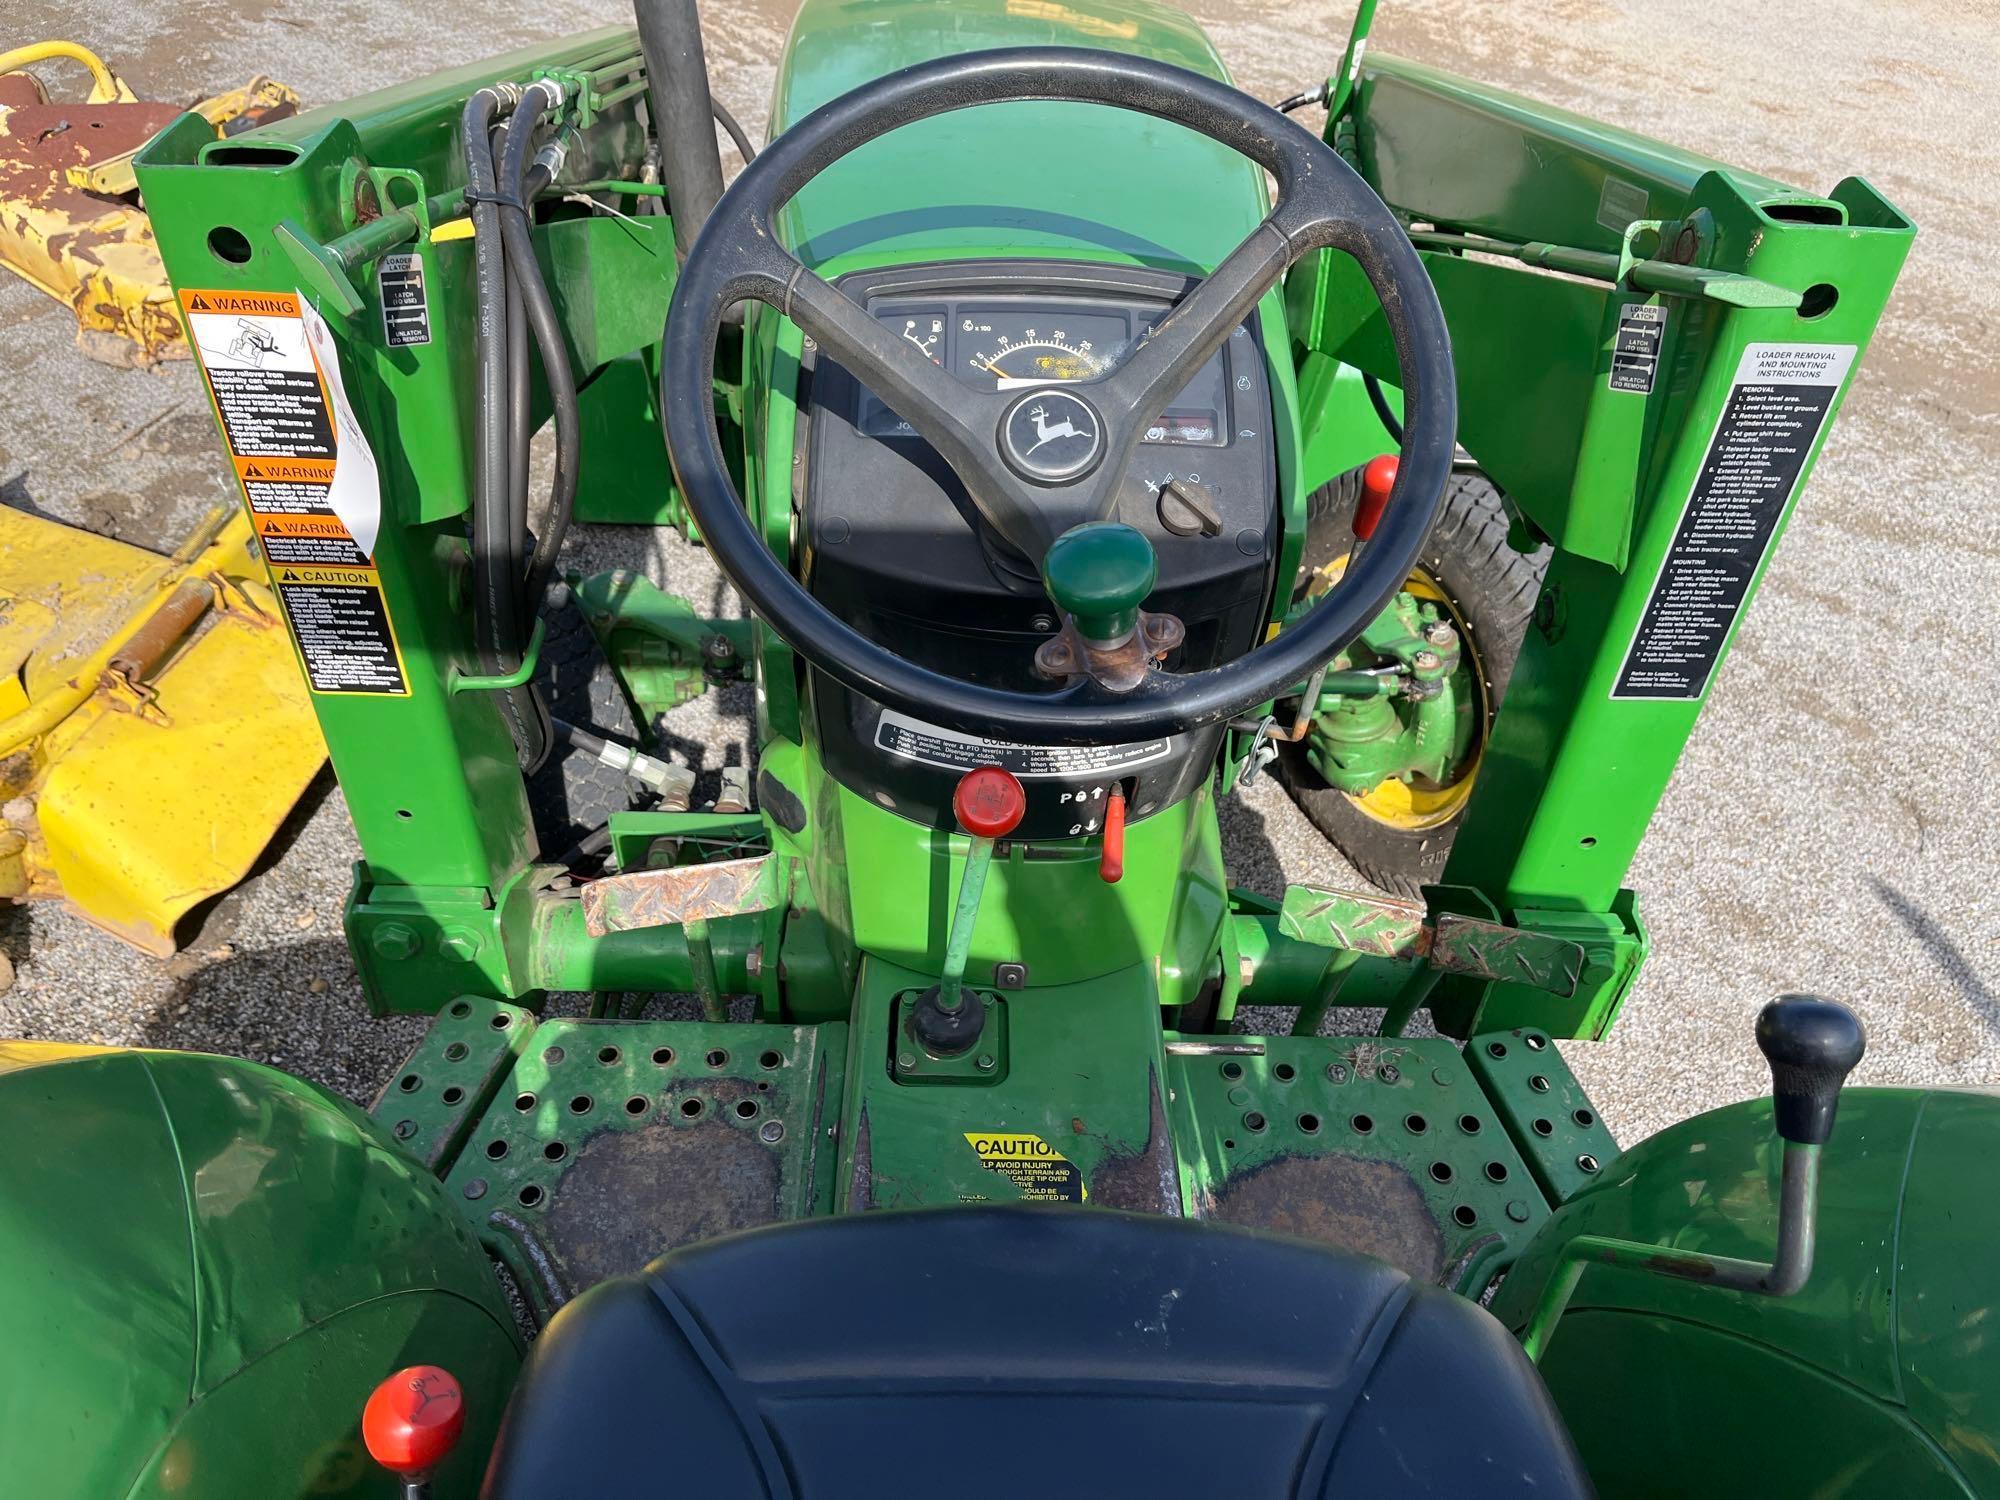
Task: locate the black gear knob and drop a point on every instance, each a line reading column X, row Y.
column 1812, row 1045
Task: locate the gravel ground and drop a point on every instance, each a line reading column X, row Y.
column 1810, row 838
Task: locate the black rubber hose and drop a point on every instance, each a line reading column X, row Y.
column 581, row 739
column 1380, row 401
column 1300, row 101
column 496, row 617
column 737, row 135
column 526, row 273
column 518, row 429
column 683, row 112
column 592, row 844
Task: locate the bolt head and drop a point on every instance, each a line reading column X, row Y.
column 771, row 1132
column 461, row 944
column 984, row 1062
column 1426, row 661
column 396, row 940
column 906, row 1060
column 753, row 962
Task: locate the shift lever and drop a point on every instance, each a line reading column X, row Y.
column 1811, row 1045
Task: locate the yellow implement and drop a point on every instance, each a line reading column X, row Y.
column 70, row 219
column 156, row 729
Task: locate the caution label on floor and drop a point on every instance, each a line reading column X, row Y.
column 308, row 477
column 1041, row 1173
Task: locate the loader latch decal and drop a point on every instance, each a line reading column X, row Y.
column 308, row 478
column 1041, row 1173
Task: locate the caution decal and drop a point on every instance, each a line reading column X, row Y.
column 1041, row 1173
column 308, row 477
column 342, row 628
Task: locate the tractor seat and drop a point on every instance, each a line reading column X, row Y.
column 1026, row 1352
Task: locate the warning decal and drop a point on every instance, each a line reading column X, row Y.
column 308, row 478
column 1041, row 1173
column 934, row 745
column 1777, row 407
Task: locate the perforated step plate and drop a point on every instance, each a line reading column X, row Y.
column 1544, row 1108
column 608, row 1143
column 1389, row 1147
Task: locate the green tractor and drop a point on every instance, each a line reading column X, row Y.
column 1034, row 388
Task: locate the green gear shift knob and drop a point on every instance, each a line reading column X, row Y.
column 1099, row 574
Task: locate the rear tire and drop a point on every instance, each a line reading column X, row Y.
column 1490, row 590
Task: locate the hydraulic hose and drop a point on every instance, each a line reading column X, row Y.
column 496, row 578
column 738, row 137
column 525, row 273
column 683, row 112
column 1383, row 410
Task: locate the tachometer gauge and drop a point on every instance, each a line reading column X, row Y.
column 1012, row 350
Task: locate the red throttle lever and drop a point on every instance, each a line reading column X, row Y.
column 411, row 1422
column 1376, row 481
column 1111, row 863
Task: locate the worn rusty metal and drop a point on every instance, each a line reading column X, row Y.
column 1119, row 668
column 1370, row 1206
column 70, row 222
column 1374, row 925
column 1381, row 927
column 680, row 894
column 1488, row 950
column 1148, row 1180
column 627, row 1197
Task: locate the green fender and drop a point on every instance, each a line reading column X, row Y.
column 205, row 1267
column 1881, row 1377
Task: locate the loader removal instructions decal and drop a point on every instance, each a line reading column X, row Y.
column 308, row 477
column 1778, row 407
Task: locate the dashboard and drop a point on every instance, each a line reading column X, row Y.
column 890, row 542
column 999, row 343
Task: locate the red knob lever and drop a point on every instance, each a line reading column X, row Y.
column 1111, row 862
column 412, row 1420
column 1376, row 481
column 989, row 803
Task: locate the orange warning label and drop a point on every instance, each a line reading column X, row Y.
column 287, row 470
column 275, row 379
column 259, row 304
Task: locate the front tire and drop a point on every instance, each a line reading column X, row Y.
column 1399, row 836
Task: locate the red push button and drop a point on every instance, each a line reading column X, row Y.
column 989, row 802
column 1376, row 481
column 412, row 1419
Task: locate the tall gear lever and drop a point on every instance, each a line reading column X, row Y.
column 989, row 804
column 1811, row 1045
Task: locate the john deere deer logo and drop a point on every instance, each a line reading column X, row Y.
column 1047, row 432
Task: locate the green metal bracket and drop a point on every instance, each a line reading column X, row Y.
column 647, row 840
column 664, row 654
column 466, row 682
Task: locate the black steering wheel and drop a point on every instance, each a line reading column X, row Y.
column 1030, row 480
